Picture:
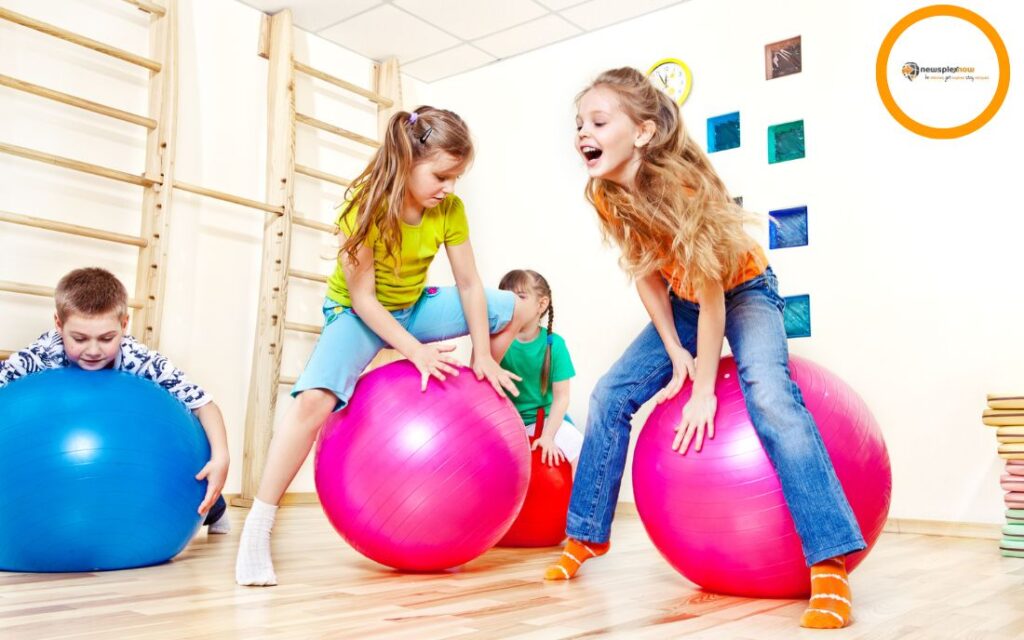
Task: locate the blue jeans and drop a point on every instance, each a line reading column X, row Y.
column 216, row 511
column 754, row 327
column 346, row 345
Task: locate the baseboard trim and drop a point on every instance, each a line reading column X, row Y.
column 299, row 497
column 626, row 509
column 983, row 530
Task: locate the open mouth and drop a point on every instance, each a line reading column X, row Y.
column 591, row 153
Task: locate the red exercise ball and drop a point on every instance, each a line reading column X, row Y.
column 541, row 521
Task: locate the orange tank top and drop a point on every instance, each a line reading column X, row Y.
column 754, row 263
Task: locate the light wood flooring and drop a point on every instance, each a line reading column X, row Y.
column 911, row 587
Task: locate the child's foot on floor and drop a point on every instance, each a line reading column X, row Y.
column 254, row 566
column 221, row 526
column 831, row 605
column 573, row 556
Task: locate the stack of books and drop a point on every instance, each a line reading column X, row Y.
column 1006, row 413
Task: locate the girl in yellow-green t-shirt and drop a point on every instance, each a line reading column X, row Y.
column 398, row 214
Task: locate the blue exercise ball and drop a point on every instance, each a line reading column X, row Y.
column 97, row 472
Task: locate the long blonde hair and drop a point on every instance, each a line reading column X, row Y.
column 679, row 217
column 379, row 191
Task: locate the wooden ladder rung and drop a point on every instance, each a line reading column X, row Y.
column 148, row 7
column 81, row 41
column 307, row 275
column 310, row 223
column 76, row 165
column 348, row 86
column 227, row 197
column 304, row 328
column 75, row 101
column 43, row 292
column 338, row 131
column 71, row 229
column 320, row 175
column 287, row 380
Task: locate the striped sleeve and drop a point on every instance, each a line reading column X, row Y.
column 47, row 352
column 139, row 360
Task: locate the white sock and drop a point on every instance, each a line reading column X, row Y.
column 221, row 526
column 254, row 566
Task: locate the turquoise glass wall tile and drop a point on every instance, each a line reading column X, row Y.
column 786, row 141
column 798, row 316
column 724, row 132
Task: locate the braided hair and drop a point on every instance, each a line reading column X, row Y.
column 522, row 279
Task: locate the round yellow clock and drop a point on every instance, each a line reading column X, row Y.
column 673, row 77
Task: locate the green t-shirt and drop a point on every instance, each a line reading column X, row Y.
column 444, row 224
column 526, row 359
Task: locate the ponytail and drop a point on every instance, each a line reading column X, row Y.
column 378, row 193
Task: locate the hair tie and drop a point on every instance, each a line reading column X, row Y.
column 413, row 117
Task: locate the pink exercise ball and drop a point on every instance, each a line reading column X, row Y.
column 718, row 516
column 422, row 481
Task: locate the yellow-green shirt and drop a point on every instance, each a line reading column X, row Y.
column 444, row 224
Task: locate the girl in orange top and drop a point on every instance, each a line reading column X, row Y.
column 701, row 278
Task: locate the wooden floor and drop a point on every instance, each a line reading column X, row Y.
column 912, row 587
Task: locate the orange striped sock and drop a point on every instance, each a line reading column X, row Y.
column 831, row 605
column 574, row 555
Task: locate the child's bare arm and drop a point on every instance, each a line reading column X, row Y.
column 215, row 472
column 559, row 405
column 550, row 453
column 474, row 306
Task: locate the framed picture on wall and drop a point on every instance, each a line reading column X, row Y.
column 782, row 58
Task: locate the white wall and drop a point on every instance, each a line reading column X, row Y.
column 214, row 248
column 912, row 265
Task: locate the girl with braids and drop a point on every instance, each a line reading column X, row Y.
column 397, row 215
column 540, row 359
column 701, row 279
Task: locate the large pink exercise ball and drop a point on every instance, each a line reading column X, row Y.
column 422, row 481
column 719, row 517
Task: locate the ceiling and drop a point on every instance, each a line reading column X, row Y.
column 434, row 39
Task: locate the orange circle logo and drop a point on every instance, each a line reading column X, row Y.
column 881, row 77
